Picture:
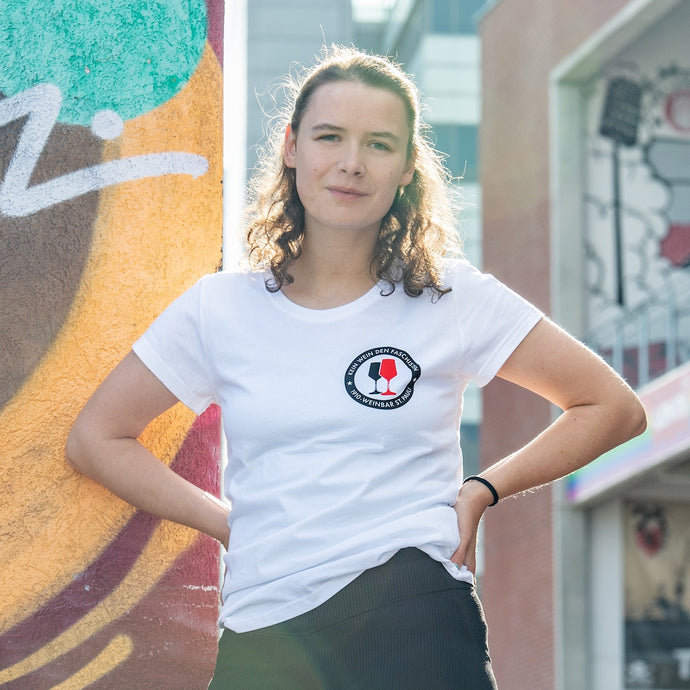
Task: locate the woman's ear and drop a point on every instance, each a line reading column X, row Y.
column 408, row 173
column 289, row 147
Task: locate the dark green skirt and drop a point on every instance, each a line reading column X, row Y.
column 404, row 625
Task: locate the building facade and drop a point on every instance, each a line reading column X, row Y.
column 584, row 170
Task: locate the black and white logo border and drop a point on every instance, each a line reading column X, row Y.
column 364, row 398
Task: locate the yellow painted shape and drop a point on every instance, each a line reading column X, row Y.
column 152, row 239
column 117, row 651
column 143, row 576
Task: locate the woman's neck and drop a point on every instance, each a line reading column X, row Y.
column 331, row 272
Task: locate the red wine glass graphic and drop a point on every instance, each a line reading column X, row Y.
column 388, row 371
column 374, row 373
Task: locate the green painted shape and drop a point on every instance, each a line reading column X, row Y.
column 129, row 56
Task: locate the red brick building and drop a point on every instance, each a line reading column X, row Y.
column 559, row 585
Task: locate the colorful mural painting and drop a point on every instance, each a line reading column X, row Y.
column 110, row 206
column 657, row 598
column 637, row 210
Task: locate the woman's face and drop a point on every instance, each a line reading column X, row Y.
column 350, row 155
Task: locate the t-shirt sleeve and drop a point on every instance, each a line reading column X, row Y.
column 173, row 350
column 492, row 319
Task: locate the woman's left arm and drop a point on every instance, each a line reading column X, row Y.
column 600, row 411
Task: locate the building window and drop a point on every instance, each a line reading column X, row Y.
column 453, row 17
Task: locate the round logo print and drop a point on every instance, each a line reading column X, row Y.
column 382, row 377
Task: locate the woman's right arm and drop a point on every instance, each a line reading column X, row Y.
column 103, row 445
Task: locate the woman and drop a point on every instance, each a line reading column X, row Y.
column 339, row 362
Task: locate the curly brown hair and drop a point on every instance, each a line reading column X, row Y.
column 419, row 228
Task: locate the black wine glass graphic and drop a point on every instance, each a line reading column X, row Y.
column 388, row 371
column 374, row 373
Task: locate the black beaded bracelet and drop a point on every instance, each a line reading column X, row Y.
column 487, row 484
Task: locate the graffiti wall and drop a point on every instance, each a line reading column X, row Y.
column 110, row 206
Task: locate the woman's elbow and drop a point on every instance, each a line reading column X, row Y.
column 71, row 454
column 641, row 418
column 632, row 415
column 75, row 455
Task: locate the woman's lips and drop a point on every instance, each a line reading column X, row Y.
column 345, row 193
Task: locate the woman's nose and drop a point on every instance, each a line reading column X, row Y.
column 351, row 162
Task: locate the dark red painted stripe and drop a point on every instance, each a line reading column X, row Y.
column 179, row 654
column 214, row 12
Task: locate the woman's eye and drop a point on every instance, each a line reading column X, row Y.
column 380, row 146
column 328, row 137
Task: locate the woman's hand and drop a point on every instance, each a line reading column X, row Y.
column 473, row 499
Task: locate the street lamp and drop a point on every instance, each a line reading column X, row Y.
column 619, row 123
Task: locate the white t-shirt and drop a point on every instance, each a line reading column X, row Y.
column 342, row 424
